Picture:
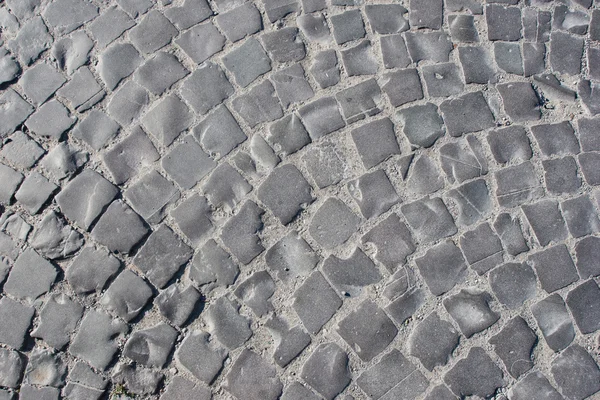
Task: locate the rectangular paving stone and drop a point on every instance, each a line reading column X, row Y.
column 546, row 220
column 360, row 101
column 150, row 195
column 503, row 23
column 554, row 267
column 426, row 14
column 359, row 59
column 15, row 333
column 517, row 184
column 321, row 117
column 580, row 216
column 513, row 284
column 347, row 26
column 30, row 277
column 584, row 301
column 402, row 86
column 201, row 50
column 442, row 267
column 152, row 33
column 429, row 219
column 206, row 88
column 375, row 142
column 394, row 52
column 566, row 51
column 258, row 105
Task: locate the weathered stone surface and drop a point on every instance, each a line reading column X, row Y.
column 429, row 219
column 15, row 333
column 83, row 90
column 31, row 276
column 326, row 163
column 326, row 370
column 514, row 345
column 151, row 346
column 73, row 51
column 58, row 320
column 422, row 124
column 213, row 266
column 468, row 113
column 392, row 240
column 517, row 184
column 91, row 269
column 433, row 341
column 252, row 377
column 119, row 228
column 45, row 368
column 224, row 321
column 137, row 379
column 289, row 342
column 534, row 386
column 315, row 302
column 177, row 304
column 12, row 364
column 482, row 248
column 359, row 59
column 554, row 267
column 373, row 193
column 583, row 302
column 513, row 284
column 471, row 311
column 333, row 223
column 347, row 26
column 33, row 38
column 127, row 295
column 321, row 117
column 256, row 291
column 442, row 267
column 181, row 388
column 520, row 101
column 554, row 321
column 324, row 68
column 258, row 105
column 576, row 373
column 475, row 375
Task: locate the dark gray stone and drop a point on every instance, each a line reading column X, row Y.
column 127, row 295
column 566, row 52
column 373, row 193
column 576, row 373
column 375, row 142
column 151, row 346
column 219, row 133
column 442, row 80
column 288, row 135
column 432, row 46
column 291, row 85
column 64, row 160
column 284, row 45
column 289, row 342
column 111, row 24
column 206, row 88
column 402, row 87
column 58, row 319
column 394, row 52
column 553, row 89
column 256, row 291
column 514, row 345
column 326, row 163
column 20, row 316
column 200, row 357
column 462, row 28
column 187, row 163
column 513, row 284
column 387, row 18
column 360, row 101
column 258, row 105
column 9, row 182
column 433, row 341
column 554, row 267
column 422, row 124
column 181, row 388
column 534, row 386
column 97, row 338
column 326, row 370
column 508, row 57
column 441, row 392
column 584, row 302
column 350, row 275
column 71, row 52
column 347, row 26
column 247, row 62
column 589, row 133
column 556, row 139
column 117, row 62
column 28, row 392
column 475, row 375
column 587, row 251
column 138, row 380
column 429, row 219
column 468, row 113
column 30, row 277
column 580, row 216
column 240, row 22
column 463, row 159
column 213, row 266
column 252, row 377
column 45, row 368
column 128, row 157
column 359, row 59
column 40, row 82
column 333, row 223
column 482, row 248
column 167, row 119
column 296, row 391
column 97, row 129
column 405, row 306
column 160, row 73
column 426, row 14
column 472, row 200
column 520, row 101
column 392, row 240
column 324, row 68
column 152, row 33
column 189, row 13
column 314, row 28
column 546, row 220
column 201, row 42
column 54, row 238
column 150, row 195
column 534, row 58
column 291, row 257
column 177, row 304
column 554, row 321
column 224, row 321
column 12, row 364
column 127, row 103
column 471, row 311
column 91, row 269
column 503, row 23
column 509, row 144
column 589, row 163
column 278, row 9
column 315, row 302
column 442, row 267
column 517, row 184
column 225, row 187
column 477, row 64
column 83, row 90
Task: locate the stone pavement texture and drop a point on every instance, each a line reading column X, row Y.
column 299, row 199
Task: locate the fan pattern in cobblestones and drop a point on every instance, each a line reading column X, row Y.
column 299, row 199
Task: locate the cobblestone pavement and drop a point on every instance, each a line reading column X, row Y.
column 299, row 199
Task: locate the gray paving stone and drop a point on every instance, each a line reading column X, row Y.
column 9, row 67
column 119, row 228
column 553, row 89
column 193, row 216
column 314, row 27
column 554, row 321
column 514, row 345
column 392, row 370
column 50, row 120
column 15, row 333
column 520, row 101
column 513, row 284
column 226, row 324
column 429, row 219
column 151, row 346
column 588, row 133
column 442, row 267
column 225, row 187
column 583, row 302
column 152, row 33
column 586, row 251
column 127, row 103
column 284, row 45
column 256, row 291
column 73, row 51
column 167, row 119
column 258, row 105
column 482, row 248
column 546, row 220
column 84, row 198
column 392, row 240
column 468, row 113
column 350, row 275
column 201, row 42
column 534, row 58
column 313, row 5
column 240, row 22
column 65, row 16
column 394, row 52
column 432, row 46
column 45, row 368
column 333, row 223
column 463, row 159
column 359, row 60
column 289, row 342
column 40, row 82
column 28, row 392
column 373, row 193
column 296, row 391
column 426, row 14
column 91, row 269
column 14, row 112
column 14, row 224
column 462, row 28
column 32, row 40
column 324, row 68
column 442, row 80
column 12, row 364
column 477, row 64
column 565, row 53
column 278, row 9
column 181, row 388
column 422, row 124
column 127, row 295
column 576, row 373
column 347, row 26
column 82, row 91
column 315, row 302
column 441, row 392
column 556, row 139
column 360, row 101
column 405, row 306
column 219, row 133
column 326, row 370
column 162, row 255
column 471, row 310
column 111, row 24
column 588, row 163
column 150, row 195
column 53, row 238
column 200, row 357
column 31, row 276
column 137, row 380
column 117, row 62
column 580, row 216
column 534, row 386
column 96, row 129
column 128, row 157
column 252, row 377
column 325, row 163
column 432, row 341
column 177, row 304
column 554, row 267
column 375, row 142
column 206, row 88
column 21, row 151
column 187, row 163
column 503, row 23
column 291, row 257
column 387, row 18
column 160, row 73
column 64, row 160
column 509, row 144
column 517, row 184
column 9, row 182
column 188, row 13
column 96, row 339
column 509, row 58
column 291, row 85
column 247, row 62
column 402, row 86
column 472, row 200
column 476, row 374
